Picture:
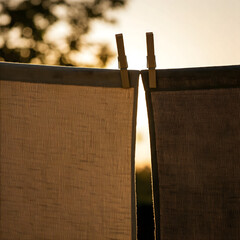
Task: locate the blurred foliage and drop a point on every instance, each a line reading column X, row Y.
column 144, row 189
column 53, row 31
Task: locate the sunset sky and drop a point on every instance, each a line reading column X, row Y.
column 187, row 33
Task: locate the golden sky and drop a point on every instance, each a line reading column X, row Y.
column 187, row 33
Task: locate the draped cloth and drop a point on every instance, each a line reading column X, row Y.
column 67, row 153
column 194, row 118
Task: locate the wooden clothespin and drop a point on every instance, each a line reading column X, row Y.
column 122, row 61
column 151, row 62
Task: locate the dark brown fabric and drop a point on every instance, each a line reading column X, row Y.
column 195, row 138
column 67, row 158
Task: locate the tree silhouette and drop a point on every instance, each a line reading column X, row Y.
column 52, row 31
column 144, row 204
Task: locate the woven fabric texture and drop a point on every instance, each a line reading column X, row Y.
column 195, row 138
column 66, row 161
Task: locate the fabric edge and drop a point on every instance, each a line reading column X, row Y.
column 64, row 75
column 194, row 78
column 133, row 174
column 154, row 176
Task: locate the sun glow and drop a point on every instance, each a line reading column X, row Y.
column 186, row 33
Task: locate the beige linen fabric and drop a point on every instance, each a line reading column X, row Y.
column 66, row 168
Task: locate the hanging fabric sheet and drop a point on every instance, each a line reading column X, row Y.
column 194, row 118
column 67, row 153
